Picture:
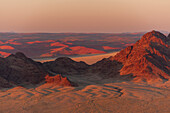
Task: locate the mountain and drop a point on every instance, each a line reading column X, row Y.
column 146, row 60
column 67, row 66
column 106, row 68
column 21, row 70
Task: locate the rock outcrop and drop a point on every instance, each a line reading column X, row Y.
column 59, row 80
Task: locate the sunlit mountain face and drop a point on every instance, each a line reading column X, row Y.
column 40, row 45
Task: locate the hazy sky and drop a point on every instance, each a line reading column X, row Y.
column 84, row 15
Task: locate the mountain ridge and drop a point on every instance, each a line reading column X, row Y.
column 19, row 70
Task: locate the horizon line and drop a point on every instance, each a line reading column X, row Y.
column 164, row 31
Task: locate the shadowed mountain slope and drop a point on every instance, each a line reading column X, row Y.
column 23, row 69
column 4, row 83
column 20, row 70
column 65, row 65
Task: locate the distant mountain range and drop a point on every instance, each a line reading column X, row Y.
column 148, row 60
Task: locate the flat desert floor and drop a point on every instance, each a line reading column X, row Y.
column 93, row 95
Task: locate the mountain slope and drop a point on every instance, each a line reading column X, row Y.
column 65, row 65
column 19, row 69
column 147, row 60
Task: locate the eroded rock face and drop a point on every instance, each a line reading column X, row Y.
column 65, row 65
column 147, row 59
column 59, row 80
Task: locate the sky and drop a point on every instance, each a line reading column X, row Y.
column 85, row 16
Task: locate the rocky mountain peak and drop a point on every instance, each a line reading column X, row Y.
column 152, row 37
column 146, row 60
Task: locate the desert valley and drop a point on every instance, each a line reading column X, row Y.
column 129, row 75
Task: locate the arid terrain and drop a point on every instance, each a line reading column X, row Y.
column 47, row 45
column 134, row 80
column 95, row 96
